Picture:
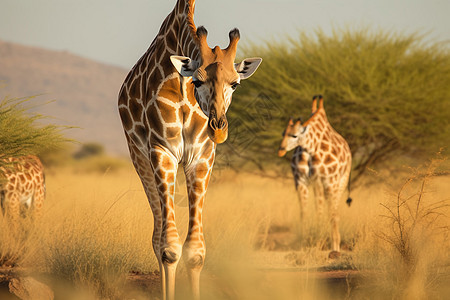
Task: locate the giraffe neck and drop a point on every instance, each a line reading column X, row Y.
column 180, row 31
column 318, row 126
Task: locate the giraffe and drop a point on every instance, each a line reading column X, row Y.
column 22, row 187
column 322, row 157
column 173, row 106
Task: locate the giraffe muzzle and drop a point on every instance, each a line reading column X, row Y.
column 218, row 129
column 281, row 152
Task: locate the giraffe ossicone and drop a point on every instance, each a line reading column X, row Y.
column 321, row 158
column 173, row 106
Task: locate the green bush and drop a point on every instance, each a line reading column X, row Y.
column 20, row 131
column 388, row 94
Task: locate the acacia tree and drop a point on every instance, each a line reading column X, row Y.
column 388, row 94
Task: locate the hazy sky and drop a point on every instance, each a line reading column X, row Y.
column 119, row 31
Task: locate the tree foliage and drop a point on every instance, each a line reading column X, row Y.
column 387, row 94
column 20, row 131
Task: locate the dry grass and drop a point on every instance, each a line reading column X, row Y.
column 97, row 227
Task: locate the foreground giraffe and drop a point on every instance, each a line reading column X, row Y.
column 323, row 158
column 22, row 187
column 172, row 105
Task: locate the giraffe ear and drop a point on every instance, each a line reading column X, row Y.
column 184, row 65
column 247, row 67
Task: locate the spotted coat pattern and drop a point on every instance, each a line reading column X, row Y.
column 323, row 158
column 22, row 187
column 172, row 115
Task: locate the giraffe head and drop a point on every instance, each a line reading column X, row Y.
column 293, row 136
column 215, row 77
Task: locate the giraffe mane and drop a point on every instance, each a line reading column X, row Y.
column 190, row 20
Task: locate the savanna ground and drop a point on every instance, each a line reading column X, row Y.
column 94, row 239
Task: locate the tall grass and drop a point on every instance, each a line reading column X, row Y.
column 409, row 245
column 96, row 228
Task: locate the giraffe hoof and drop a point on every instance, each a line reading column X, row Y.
column 334, row 255
column 169, row 257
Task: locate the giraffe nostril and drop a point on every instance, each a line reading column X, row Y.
column 222, row 123
column 213, row 124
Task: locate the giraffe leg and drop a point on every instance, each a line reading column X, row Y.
column 194, row 250
column 38, row 201
column 164, row 166
column 332, row 196
column 144, row 169
column 303, row 194
column 13, row 209
column 319, row 196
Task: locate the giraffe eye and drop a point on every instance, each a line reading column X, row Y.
column 197, row 83
column 293, row 136
column 235, row 85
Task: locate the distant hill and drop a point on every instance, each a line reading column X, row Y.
column 84, row 91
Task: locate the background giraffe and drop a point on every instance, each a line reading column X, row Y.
column 22, row 187
column 323, row 158
column 172, row 105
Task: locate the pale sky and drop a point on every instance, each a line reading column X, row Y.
column 118, row 31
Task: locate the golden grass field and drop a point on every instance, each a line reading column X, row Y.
column 97, row 228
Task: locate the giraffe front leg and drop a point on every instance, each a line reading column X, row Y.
column 144, row 169
column 194, row 249
column 318, row 194
column 303, row 194
column 332, row 196
column 165, row 169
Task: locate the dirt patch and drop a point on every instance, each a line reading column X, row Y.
column 283, row 238
column 143, row 285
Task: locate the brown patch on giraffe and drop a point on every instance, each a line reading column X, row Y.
column 334, row 151
column 322, row 169
column 141, row 132
column 197, row 123
column 171, row 39
column 332, row 169
column 127, row 121
column 173, row 132
column 201, row 172
column 171, row 90
column 135, row 108
column 168, row 112
column 324, row 146
column 167, row 65
column 155, row 122
column 170, row 177
column 135, row 88
column 167, row 163
column 315, row 159
column 319, row 126
column 190, row 94
column 328, row 159
column 155, row 77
